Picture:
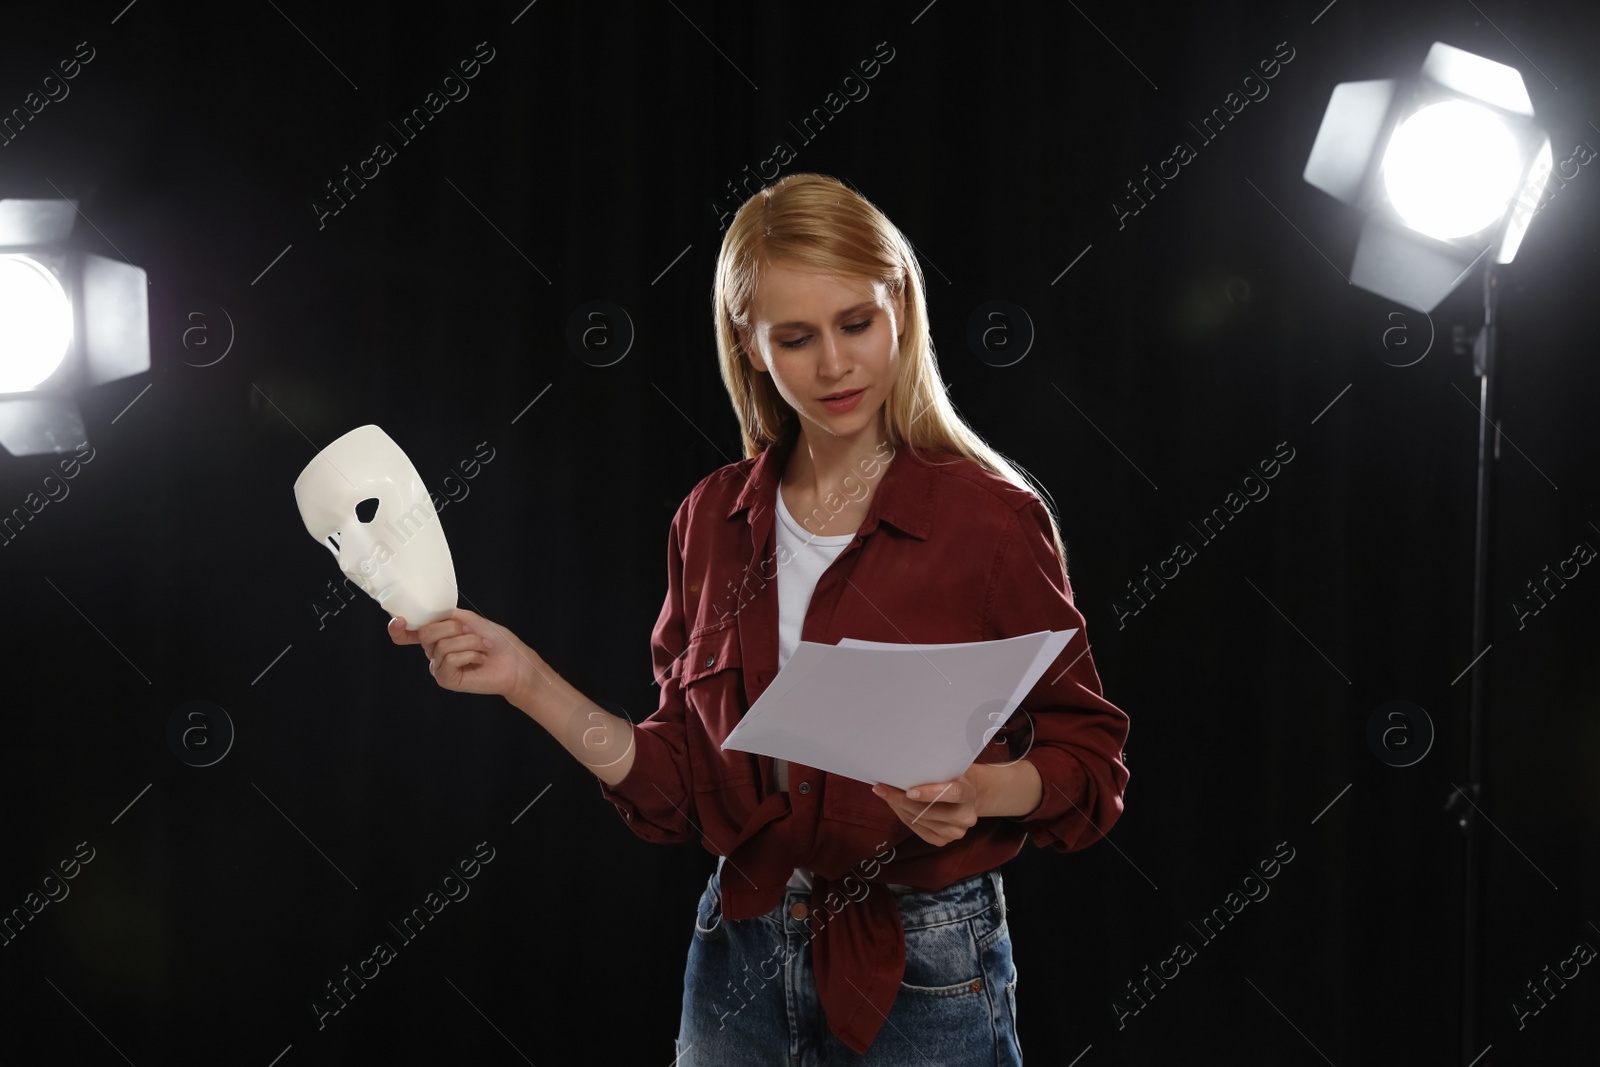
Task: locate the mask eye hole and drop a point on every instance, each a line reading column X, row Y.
column 367, row 509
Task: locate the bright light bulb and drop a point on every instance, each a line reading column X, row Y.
column 35, row 323
column 1451, row 169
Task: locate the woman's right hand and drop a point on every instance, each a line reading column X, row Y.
column 467, row 653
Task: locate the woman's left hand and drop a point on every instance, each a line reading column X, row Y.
column 940, row 812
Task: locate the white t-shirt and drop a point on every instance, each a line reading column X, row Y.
column 802, row 557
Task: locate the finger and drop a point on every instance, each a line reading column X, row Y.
column 896, row 801
column 398, row 632
column 448, row 670
column 915, row 813
column 945, row 814
column 949, row 792
column 431, row 634
column 433, row 631
column 463, row 643
column 459, row 660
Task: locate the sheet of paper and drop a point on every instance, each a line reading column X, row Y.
column 902, row 714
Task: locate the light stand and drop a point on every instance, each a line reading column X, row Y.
column 1477, row 784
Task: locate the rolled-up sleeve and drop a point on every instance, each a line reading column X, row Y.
column 1072, row 734
column 656, row 796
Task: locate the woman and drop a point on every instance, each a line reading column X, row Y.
column 846, row 923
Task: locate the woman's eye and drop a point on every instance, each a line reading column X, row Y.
column 856, row 327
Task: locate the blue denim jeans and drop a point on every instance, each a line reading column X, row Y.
column 750, row 998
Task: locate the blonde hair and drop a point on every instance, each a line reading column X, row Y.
column 815, row 222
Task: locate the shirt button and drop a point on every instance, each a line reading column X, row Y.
column 710, row 660
column 977, row 984
column 799, row 911
column 805, row 787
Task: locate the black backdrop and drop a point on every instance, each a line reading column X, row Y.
column 589, row 161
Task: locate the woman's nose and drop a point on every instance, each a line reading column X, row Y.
column 831, row 358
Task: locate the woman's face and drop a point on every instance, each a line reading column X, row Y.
column 818, row 335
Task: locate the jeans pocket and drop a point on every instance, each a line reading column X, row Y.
column 708, row 913
column 942, row 960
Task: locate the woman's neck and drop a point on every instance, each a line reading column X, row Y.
column 820, row 464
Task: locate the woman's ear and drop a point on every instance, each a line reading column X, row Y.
column 751, row 353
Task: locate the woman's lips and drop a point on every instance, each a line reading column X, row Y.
column 845, row 403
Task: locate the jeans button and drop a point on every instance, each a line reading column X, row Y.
column 798, row 911
column 977, row 984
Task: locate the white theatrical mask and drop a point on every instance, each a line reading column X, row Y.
column 398, row 555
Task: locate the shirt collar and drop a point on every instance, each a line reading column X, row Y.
column 903, row 498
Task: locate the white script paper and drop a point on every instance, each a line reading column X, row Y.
column 901, row 714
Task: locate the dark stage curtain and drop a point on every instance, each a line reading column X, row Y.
column 1186, row 332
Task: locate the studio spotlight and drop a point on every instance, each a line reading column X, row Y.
column 1448, row 167
column 68, row 320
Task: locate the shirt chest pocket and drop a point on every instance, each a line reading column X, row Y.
column 848, row 800
column 712, row 683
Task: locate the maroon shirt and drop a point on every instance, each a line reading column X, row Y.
column 947, row 552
